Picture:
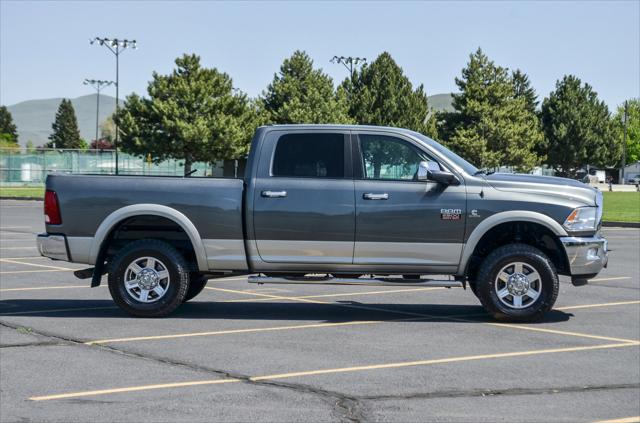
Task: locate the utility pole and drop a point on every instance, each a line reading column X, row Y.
column 624, row 140
column 98, row 85
column 116, row 46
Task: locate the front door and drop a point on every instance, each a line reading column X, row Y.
column 400, row 220
column 304, row 205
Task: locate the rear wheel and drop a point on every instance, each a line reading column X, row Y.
column 148, row 278
column 517, row 282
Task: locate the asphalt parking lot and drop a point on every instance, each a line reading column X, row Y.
column 240, row 352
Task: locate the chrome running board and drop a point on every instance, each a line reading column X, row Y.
column 381, row 281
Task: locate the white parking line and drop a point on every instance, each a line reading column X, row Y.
column 35, row 265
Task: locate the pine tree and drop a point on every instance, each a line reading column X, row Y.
column 301, row 94
column 65, row 128
column 380, row 94
column 493, row 125
column 193, row 114
column 8, row 130
column 522, row 87
column 577, row 127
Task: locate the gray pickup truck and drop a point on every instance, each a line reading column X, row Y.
column 331, row 204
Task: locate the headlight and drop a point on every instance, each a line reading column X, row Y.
column 581, row 219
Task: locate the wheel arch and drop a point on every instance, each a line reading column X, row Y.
column 513, row 217
column 113, row 221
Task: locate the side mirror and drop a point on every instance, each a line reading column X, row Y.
column 430, row 171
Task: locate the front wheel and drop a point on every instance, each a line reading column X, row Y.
column 148, row 278
column 517, row 282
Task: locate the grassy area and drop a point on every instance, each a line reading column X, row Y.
column 621, row 206
column 22, row 192
column 618, row 206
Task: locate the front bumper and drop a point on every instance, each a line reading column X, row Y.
column 586, row 255
column 53, row 246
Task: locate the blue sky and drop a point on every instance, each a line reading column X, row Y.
column 44, row 49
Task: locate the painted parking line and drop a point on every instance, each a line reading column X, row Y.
column 236, row 331
column 26, row 258
column 597, row 305
column 40, row 288
column 317, row 372
column 635, row 419
column 407, row 313
column 9, row 272
column 4, row 260
column 328, row 325
column 348, row 294
column 616, row 278
column 18, row 248
column 57, row 310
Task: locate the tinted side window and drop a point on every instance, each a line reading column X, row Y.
column 310, row 156
column 386, row 157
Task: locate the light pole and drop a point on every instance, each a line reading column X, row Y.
column 349, row 62
column 116, row 46
column 97, row 84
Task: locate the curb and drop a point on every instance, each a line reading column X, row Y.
column 622, row 224
column 22, row 198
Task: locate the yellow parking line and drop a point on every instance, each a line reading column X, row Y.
column 33, row 271
column 347, row 294
column 617, row 278
column 56, row 310
column 597, row 305
column 406, row 313
column 562, row 332
column 34, row 264
column 234, row 331
column 333, row 371
column 135, row 388
column 635, row 419
column 38, row 288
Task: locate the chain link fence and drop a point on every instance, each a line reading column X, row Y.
column 30, row 168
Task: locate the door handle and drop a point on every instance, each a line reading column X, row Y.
column 274, row 194
column 371, row 196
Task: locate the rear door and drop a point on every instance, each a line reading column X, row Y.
column 303, row 207
column 400, row 220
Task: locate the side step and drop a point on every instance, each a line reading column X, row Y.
column 381, row 281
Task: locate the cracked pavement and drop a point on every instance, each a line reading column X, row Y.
column 235, row 354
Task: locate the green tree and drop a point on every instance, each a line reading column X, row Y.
column 65, row 128
column 31, row 147
column 108, row 129
column 380, row 94
column 494, row 125
column 193, row 114
column 633, row 129
column 8, row 129
column 577, row 127
column 301, row 94
column 522, row 88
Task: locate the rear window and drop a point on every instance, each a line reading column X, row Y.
column 309, row 156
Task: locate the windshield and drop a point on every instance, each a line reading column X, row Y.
column 450, row 155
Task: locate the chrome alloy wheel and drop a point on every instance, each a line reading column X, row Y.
column 146, row 279
column 518, row 285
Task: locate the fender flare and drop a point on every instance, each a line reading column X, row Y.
column 174, row 215
column 504, row 217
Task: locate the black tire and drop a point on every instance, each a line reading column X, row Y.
column 176, row 290
column 197, row 282
column 532, row 258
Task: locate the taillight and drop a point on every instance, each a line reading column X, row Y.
column 51, row 208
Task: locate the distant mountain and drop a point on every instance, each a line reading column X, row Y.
column 441, row 102
column 34, row 117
